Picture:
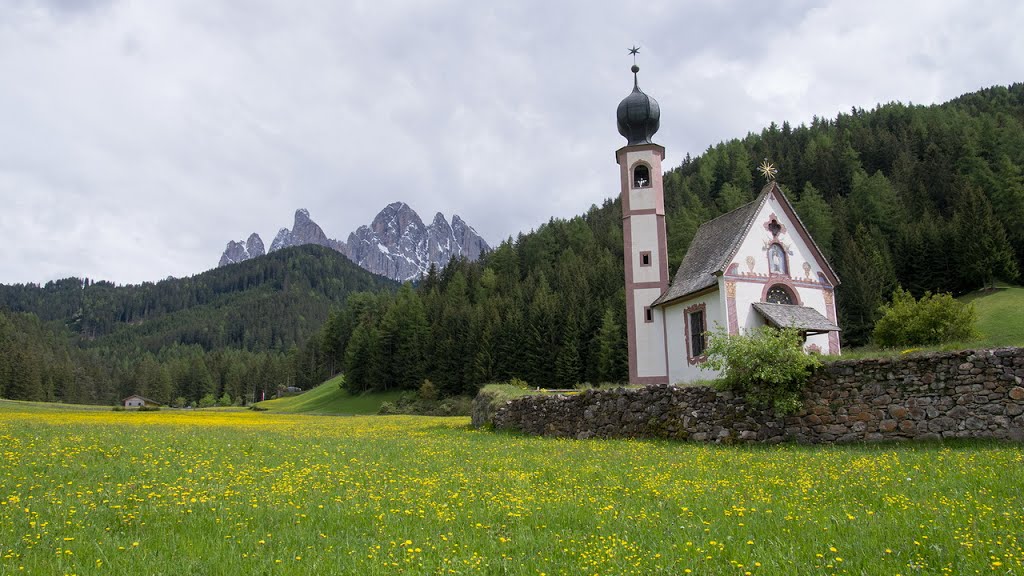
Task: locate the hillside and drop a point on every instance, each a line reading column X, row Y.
column 271, row 302
column 231, row 330
column 329, row 399
column 1000, row 316
column 927, row 197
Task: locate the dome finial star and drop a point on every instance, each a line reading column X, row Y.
column 768, row 170
column 633, row 51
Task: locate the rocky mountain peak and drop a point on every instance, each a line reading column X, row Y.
column 238, row 251
column 254, row 246
column 440, row 222
column 395, row 244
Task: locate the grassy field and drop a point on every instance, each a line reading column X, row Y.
column 1000, row 316
column 1000, row 323
column 329, row 398
column 181, row 492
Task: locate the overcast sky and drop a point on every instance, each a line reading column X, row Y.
column 138, row 137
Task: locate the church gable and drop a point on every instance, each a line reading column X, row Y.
column 778, row 263
column 776, row 247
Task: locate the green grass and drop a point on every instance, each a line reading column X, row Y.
column 329, row 398
column 1000, row 323
column 1000, row 315
column 23, row 405
column 196, row 492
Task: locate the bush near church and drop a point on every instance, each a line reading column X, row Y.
column 767, row 366
column 934, row 319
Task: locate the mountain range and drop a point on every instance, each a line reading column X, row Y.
column 396, row 245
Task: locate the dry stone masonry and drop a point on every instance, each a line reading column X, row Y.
column 967, row 394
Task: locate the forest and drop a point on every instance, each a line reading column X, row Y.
column 234, row 330
column 930, row 198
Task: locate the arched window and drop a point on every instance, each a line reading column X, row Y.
column 641, row 176
column 777, row 260
column 778, row 294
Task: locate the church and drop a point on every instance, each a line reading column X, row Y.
column 756, row 265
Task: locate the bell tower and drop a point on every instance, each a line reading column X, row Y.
column 643, row 233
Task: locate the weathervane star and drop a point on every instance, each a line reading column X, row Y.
column 768, row 170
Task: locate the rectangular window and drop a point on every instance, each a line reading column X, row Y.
column 697, row 329
column 648, row 314
column 645, row 258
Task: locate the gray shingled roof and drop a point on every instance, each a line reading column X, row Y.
column 715, row 244
column 792, row 316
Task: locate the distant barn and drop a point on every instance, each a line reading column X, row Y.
column 136, row 401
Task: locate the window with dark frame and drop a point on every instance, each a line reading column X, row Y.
column 645, row 258
column 648, row 314
column 697, row 330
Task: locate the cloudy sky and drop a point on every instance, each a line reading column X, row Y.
column 138, row 137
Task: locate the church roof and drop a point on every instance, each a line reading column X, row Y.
column 791, row 316
column 716, row 242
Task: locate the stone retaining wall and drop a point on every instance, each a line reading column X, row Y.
column 968, row 394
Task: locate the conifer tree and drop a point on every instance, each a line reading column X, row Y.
column 612, row 357
column 982, row 250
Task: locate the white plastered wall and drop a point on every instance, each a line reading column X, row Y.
column 644, row 235
column 679, row 368
column 650, row 336
column 751, row 284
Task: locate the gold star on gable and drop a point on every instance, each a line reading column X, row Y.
column 768, row 170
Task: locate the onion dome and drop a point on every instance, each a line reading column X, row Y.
column 638, row 115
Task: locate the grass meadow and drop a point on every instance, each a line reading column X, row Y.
column 329, row 398
column 196, row 492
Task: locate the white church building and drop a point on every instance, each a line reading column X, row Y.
column 753, row 266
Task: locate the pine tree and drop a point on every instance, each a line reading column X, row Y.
column 567, row 363
column 612, row 355
column 868, row 279
column 816, row 215
column 982, row 250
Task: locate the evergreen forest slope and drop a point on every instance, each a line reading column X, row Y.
column 928, row 197
column 228, row 330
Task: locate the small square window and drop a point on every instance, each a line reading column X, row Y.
column 648, row 314
column 645, row 258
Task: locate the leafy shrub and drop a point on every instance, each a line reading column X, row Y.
column 149, row 408
column 224, row 400
column 413, row 403
column 118, row 408
column 518, row 383
column 934, row 319
column 179, row 402
column 207, row 401
column 428, row 391
column 493, row 396
column 767, row 366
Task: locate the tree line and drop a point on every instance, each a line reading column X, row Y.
column 233, row 331
column 930, row 198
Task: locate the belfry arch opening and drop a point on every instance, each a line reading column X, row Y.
column 641, row 176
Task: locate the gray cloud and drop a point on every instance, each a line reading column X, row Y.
column 140, row 137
